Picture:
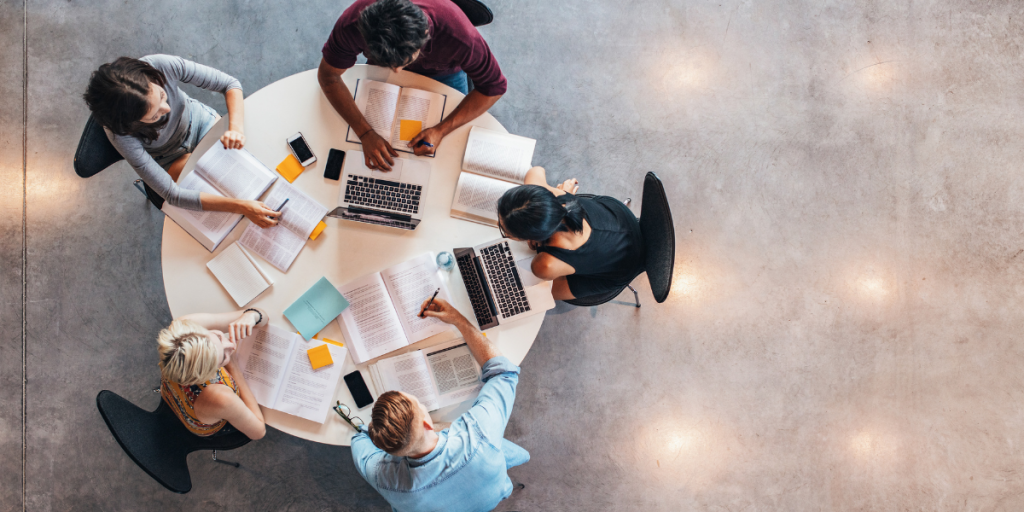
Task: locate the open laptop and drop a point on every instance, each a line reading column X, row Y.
column 500, row 284
column 394, row 199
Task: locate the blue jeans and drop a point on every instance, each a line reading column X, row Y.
column 515, row 455
column 457, row 81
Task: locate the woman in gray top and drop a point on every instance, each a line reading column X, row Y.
column 156, row 126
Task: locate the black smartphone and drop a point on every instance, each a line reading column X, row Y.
column 332, row 170
column 357, row 386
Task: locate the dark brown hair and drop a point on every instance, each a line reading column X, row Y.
column 391, row 422
column 118, row 96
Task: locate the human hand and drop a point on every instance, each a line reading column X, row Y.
column 259, row 213
column 441, row 310
column 233, row 139
column 242, row 327
column 377, row 152
column 570, row 185
column 431, row 136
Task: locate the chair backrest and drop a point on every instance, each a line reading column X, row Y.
column 659, row 237
column 478, row 13
column 157, row 441
column 95, row 152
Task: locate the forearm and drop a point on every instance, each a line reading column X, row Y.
column 340, row 98
column 215, row 203
column 219, row 321
column 246, row 395
column 482, row 348
column 536, row 176
column 473, row 106
column 236, row 110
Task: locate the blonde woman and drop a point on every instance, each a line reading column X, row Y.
column 201, row 383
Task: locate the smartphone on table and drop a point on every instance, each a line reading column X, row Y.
column 357, row 386
column 332, row 170
column 300, row 148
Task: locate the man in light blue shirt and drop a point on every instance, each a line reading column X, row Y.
column 462, row 468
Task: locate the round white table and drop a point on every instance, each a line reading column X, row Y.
column 345, row 250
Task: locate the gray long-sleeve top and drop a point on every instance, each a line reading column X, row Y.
column 176, row 70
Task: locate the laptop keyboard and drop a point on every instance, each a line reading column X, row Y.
column 383, row 194
column 506, row 287
column 475, row 289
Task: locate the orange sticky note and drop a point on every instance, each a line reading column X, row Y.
column 317, row 230
column 319, row 357
column 409, row 129
column 290, row 168
column 328, row 340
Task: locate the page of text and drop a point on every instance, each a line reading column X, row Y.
column 410, row 284
column 235, row 172
column 370, row 323
column 306, row 392
column 409, row 373
column 456, row 374
column 301, row 214
column 498, row 155
column 479, row 195
column 263, row 357
column 377, row 101
column 276, row 244
column 423, row 108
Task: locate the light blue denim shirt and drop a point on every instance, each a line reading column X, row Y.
column 466, row 470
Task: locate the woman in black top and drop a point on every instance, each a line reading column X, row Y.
column 587, row 245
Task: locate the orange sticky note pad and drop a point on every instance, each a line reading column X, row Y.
column 317, row 230
column 408, row 129
column 290, row 168
column 319, row 357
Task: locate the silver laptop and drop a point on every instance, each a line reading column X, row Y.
column 501, row 286
column 394, row 199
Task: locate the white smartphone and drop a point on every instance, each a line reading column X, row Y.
column 301, row 150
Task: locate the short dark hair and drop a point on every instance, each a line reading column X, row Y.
column 118, row 96
column 391, row 422
column 532, row 212
column 393, row 30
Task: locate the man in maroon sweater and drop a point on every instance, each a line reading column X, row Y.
column 430, row 37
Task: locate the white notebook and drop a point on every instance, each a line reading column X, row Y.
column 438, row 376
column 220, row 172
column 277, row 369
column 384, row 306
column 396, row 113
column 280, row 244
column 239, row 274
column 494, row 162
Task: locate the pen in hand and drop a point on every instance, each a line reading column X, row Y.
column 279, row 208
column 424, row 143
column 429, row 303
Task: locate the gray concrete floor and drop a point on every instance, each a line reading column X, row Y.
column 844, row 330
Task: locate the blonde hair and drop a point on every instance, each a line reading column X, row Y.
column 186, row 354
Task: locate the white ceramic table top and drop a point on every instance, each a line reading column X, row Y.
column 345, row 250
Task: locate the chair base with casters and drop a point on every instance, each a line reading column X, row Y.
column 158, row 442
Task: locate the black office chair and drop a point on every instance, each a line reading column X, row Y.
column 478, row 13
column 659, row 245
column 95, row 153
column 158, row 442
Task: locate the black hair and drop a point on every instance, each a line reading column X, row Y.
column 393, row 30
column 532, row 212
column 118, row 96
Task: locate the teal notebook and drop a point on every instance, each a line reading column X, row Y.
column 316, row 308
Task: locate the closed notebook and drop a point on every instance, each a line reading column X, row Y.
column 316, row 308
column 239, row 274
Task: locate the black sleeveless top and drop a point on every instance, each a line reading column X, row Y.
column 614, row 253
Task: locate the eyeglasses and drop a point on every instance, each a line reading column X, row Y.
column 346, row 414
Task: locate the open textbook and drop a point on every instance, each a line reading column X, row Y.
column 494, row 162
column 438, row 376
column 396, row 113
column 239, row 274
column 277, row 369
column 220, row 172
column 280, row 244
column 384, row 308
